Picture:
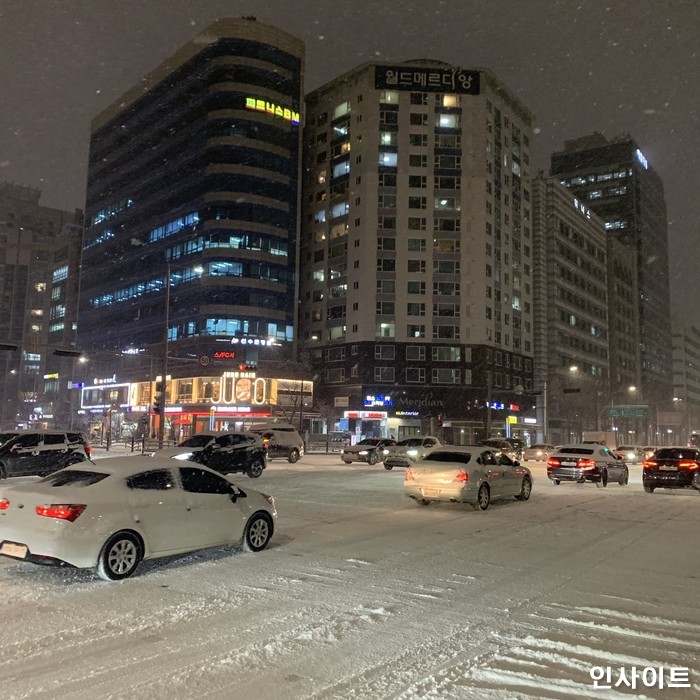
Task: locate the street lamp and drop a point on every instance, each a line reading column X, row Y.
column 198, row 269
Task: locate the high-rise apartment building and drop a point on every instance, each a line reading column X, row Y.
column 616, row 181
column 416, row 257
column 37, row 316
column 193, row 175
column 571, row 313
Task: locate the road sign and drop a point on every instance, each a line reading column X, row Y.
column 204, row 360
column 628, row 411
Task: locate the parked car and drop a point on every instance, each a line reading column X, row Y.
column 671, row 468
column 538, row 453
column 586, row 462
column 225, row 452
column 280, row 440
column 370, row 450
column 111, row 515
column 410, row 450
column 474, row 474
column 502, row 445
column 632, row 454
column 40, row 452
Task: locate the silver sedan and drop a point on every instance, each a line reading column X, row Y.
column 471, row 474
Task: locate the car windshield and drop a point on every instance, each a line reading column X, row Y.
column 411, row 442
column 461, row 457
column 4, row 437
column 197, row 441
column 73, row 477
column 576, row 451
column 369, row 441
column 676, row 453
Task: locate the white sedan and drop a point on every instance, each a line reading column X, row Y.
column 111, row 515
column 472, row 474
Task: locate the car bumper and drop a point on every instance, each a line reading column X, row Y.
column 669, row 480
column 442, row 492
column 79, row 548
column 573, row 474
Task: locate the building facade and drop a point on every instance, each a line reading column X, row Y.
column 616, row 181
column 571, row 297
column 416, row 253
column 37, row 317
column 686, row 381
column 192, row 213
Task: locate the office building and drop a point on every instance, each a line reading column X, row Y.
column 37, row 317
column 416, row 253
column 686, row 381
column 192, row 209
column 571, row 316
column 615, row 180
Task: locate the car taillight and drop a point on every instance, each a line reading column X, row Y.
column 552, row 462
column 88, row 450
column 649, row 464
column 688, row 465
column 62, row 511
column 462, row 476
column 4, row 504
column 586, row 464
column 409, row 475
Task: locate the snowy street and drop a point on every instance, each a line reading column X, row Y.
column 365, row 594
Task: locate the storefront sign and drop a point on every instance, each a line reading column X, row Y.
column 449, row 80
column 271, row 108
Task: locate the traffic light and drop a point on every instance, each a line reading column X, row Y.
column 157, row 405
column 250, row 367
column 158, row 398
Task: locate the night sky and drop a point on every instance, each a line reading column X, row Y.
column 618, row 67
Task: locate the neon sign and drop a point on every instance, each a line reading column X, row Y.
column 272, row 108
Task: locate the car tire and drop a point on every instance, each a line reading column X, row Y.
column 254, row 469
column 258, row 532
column 372, row 457
column 649, row 489
column 347, row 461
column 424, row 501
column 388, row 467
column 294, row 456
column 602, row 481
column 525, row 490
column 483, row 497
column 120, row 557
column 556, row 482
column 625, row 478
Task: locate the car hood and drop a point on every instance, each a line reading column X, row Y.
column 360, row 448
column 175, row 451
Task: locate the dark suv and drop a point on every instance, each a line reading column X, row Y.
column 671, row 468
column 40, row 452
column 225, row 452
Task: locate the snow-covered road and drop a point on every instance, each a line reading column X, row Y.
column 364, row 594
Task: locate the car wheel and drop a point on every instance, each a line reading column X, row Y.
column 525, row 490
column 649, row 489
column 388, row 467
column 602, row 479
column 483, row 498
column 255, row 469
column 556, row 482
column 119, row 557
column 625, row 478
column 294, row 456
column 372, row 457
column 347, row 461
column 258, row 532
column 424, row 501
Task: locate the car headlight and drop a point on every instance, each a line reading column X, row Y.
column 268, row 498
column 184, row 455
column 385, row 451
column 342, row 452
column 412, row 453
column 363, row 452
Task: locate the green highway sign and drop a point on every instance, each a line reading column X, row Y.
column 628, row 411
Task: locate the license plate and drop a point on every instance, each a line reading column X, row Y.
column 431, row 492
column 14, row 550
column 667, row 468
column 569, row 464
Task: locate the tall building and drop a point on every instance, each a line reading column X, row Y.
column 686, row 379
column 570, row 283
column 193, row 205
column 416, row 253
column 33, row 322
column 616, row 181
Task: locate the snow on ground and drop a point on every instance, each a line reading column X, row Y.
column 364, row 594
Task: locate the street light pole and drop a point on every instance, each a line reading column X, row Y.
column 164, row 363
